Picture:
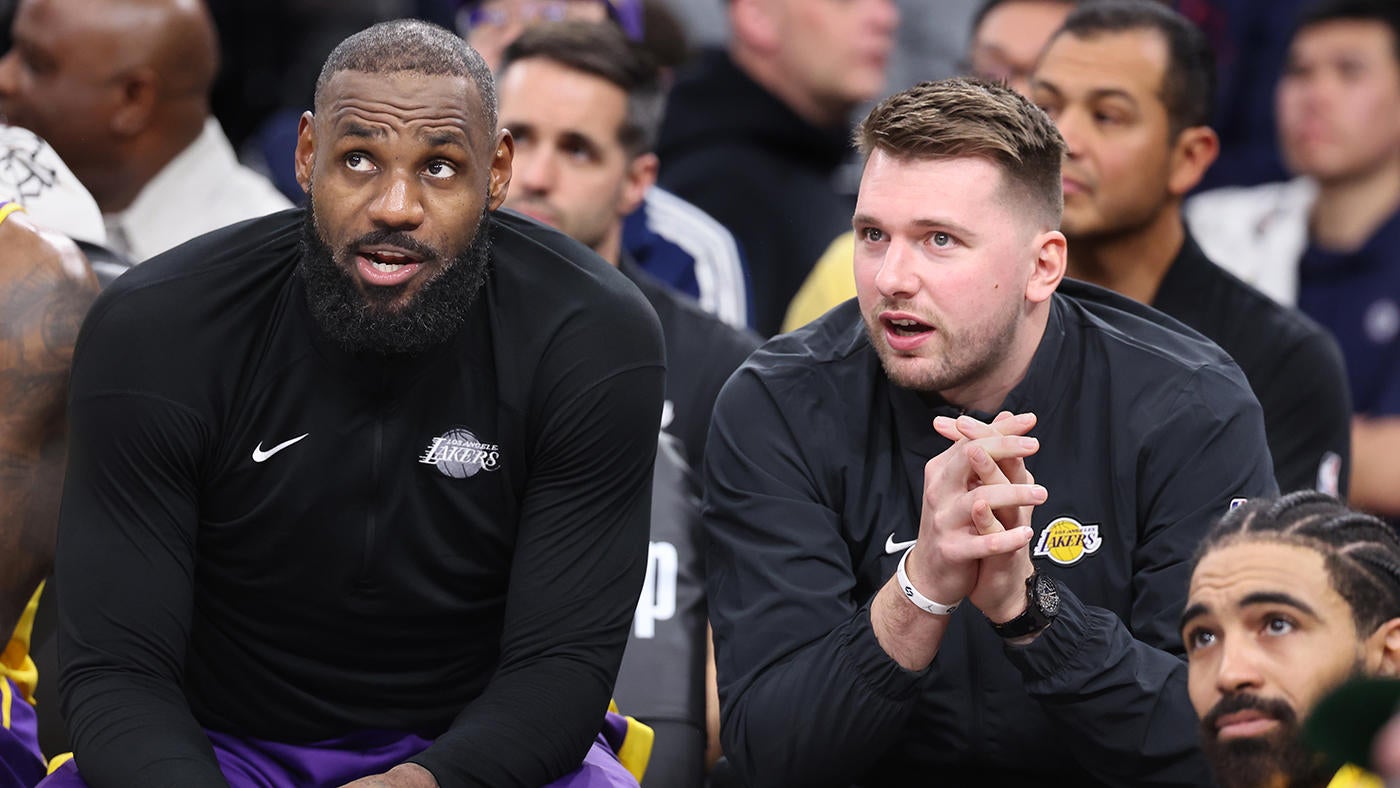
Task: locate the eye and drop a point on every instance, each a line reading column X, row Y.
column 1198, row 638
column 872, row 235
column 1279, row 625
column 576, row 150
column 358, row 162
column 440, row 169
column 1050, row 108
column 941, row 240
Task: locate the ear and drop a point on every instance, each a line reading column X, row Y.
column 136, row 102
column 641, row 174
column 1051, row 258
column 1194, row 152
column 1383, row 649
column 756, row 24
column 500, row 169
column 305, row 155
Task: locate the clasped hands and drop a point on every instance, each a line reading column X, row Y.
column 975, row 521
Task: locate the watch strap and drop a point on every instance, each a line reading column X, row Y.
column 1029, row 622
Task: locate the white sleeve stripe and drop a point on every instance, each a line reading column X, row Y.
column 718, row 272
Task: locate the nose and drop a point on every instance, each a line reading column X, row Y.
column 1239, row 668
column 897, row 277
column 1070, row 122
column 536, row 171
column 400, row 205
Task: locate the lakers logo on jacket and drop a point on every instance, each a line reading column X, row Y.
column 1066, row 540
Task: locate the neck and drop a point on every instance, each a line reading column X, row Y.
column 1348, row 211
column 990, row 390
column 766, row 72
column 610, row 247
column 1132, row 263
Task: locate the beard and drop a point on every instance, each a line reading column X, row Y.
column 1279, row 758
column 966, row 356
column 372, row 322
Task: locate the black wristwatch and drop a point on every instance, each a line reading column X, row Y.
column 1042, row 605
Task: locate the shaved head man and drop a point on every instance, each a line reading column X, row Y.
column 120, row 89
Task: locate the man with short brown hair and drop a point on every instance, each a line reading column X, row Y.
column 869, row 473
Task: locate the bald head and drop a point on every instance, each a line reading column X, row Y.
column 117, row 87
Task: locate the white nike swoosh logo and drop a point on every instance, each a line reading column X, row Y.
column 259, row 455
column 892, row 547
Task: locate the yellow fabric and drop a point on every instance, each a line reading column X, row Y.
column 7, row 208
column 15, row 663
column 59, row 760
column 1350, row 776
column 830, row 282
column 636, row 747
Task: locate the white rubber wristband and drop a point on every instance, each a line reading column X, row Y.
column 912, row 594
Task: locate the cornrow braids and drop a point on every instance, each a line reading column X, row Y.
column 1361, row 553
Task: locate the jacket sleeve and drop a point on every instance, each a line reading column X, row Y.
column 124, row 583
column 808, row 697
column 580, row 557
column 1121, row 686
column 1310, row 426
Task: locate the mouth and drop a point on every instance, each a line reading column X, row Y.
column 903, row 331
column 386, row 266
column 537, row 210
column 1244, row 725
column 1073, row 186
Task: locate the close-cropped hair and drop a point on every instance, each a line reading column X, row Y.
column 1385, row 12
column 415, row 46
column 601, row 49
column 1189, row 79
column 1361, row 553
column 956, row 118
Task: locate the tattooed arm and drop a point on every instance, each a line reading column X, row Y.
column 46, row 287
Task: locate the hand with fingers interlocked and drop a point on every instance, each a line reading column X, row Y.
column 974, row 528
column 1000, row 590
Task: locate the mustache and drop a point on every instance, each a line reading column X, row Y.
column 1230, row 704
column 394, row 238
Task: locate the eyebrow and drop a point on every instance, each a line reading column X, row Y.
column 1277, row 598
column 1256, row 598
column 439, row 139
column 1094, row 95
column 861, row 219
column 353, row 129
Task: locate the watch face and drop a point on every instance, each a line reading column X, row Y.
column 1047, row 595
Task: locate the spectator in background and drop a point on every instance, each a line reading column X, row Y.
column 756, row 135
column 1289, row 598
column 46, row 287
column 583, row 108
column 120, row 89
column 669, row 238
column 1129, row 84
column 1328, row 239
column 1250, row 40
column 1007, row 37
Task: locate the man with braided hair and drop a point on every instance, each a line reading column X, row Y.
column 1289, row 598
